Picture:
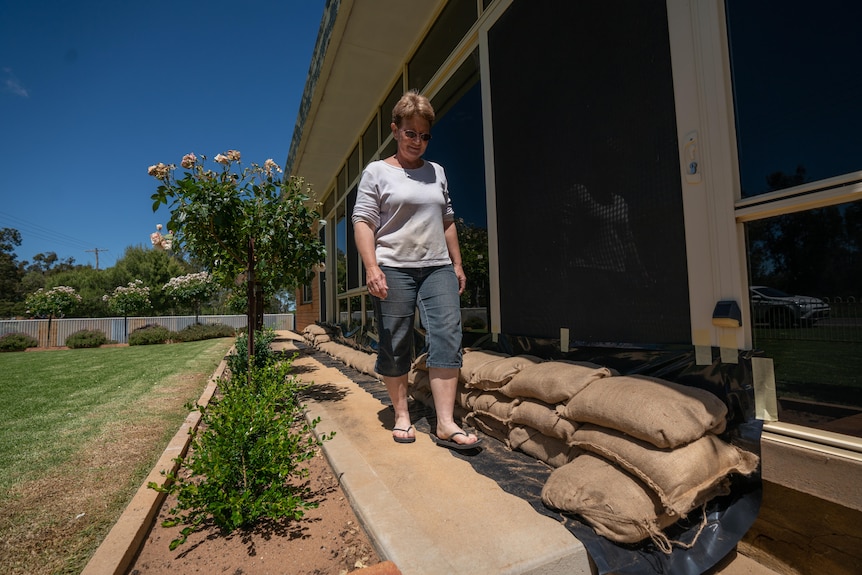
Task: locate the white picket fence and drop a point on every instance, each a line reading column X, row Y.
column 116, row 328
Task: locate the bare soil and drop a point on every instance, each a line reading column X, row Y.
column 328, row 540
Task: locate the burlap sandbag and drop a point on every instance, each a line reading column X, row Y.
column 617, row 505
column 330, row 347
column 555, row 452
column 466, row 397
column 554, row 381
column 365, row 363
column 419, row 362
column 420, row 379
column 473, row 359
column 422, row 395
column 489, row 424
column 661, row 412
column 314, row 329
column 494, row 403
column 495, row 374
column 543, row 417
column 684, row 477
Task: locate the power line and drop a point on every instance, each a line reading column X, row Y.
column 41, row 232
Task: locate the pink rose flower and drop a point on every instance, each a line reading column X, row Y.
column 189, row 161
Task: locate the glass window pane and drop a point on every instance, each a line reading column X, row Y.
column 341, row 183
column 386, row 108
column 447, row 31
column 797, row 82
column 458, row 146
column 806, row 292
column 353, row 165
column 329, row 203
column 355, row 303
column 343, row 314
column 370, row 142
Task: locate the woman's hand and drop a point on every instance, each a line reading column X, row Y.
column 375, row 280
column 462, row 277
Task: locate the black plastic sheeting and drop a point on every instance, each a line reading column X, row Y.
column 728, row 518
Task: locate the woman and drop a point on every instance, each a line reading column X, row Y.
column 404, row 228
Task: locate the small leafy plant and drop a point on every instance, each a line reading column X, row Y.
column 200, row 331
column 150, row 334
column 86, row 338
column 17, row 342
column 244, row 465
column 238, row 361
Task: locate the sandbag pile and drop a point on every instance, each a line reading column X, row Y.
column 653, row 456
column 314, row 334
column 632, row 454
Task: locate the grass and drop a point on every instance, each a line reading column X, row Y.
column 79, row 431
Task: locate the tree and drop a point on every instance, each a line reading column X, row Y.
column 52, row 303
column 248, row 227
column 191, row 290
column 128, row 300
column 11, row 296
column 154, row 268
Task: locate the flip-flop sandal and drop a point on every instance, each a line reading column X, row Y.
column 404, row 439
column 454, row 444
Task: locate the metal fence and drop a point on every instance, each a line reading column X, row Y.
column 117, row 328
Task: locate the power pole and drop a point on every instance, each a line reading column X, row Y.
column 96, row 251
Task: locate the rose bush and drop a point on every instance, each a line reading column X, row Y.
column 247, row 226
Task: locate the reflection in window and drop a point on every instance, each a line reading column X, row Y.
column 797, row 82
column 458, row 146
column 806, row 312
column 341, row 250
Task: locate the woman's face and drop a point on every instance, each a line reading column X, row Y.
column 411, row 149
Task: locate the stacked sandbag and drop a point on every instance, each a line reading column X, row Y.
column 315, row 334
column 491, row 413
column 654, row 455
column 323, row 339
column 540, row 391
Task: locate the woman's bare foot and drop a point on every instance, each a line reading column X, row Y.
column 403, row 432
column 458, row 436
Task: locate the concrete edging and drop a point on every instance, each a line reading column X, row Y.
column 116, row 552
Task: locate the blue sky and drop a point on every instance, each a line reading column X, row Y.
column 93, row 92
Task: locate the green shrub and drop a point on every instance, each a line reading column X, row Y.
column 246, row 462
column 151, row 334
column 86, row 338
column 264, row 354
column 17, row 342
column 199, row 332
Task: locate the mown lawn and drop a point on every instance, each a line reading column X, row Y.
column 79, row 431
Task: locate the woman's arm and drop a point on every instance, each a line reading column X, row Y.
column 363, row 233
column 450, row 232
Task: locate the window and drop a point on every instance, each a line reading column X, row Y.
column 796, row 84
column 370, row 142
column 447, row 31
column 307, row 296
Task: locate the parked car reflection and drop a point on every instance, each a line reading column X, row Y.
column 779, row 309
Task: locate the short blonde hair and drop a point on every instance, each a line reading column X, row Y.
column 412, row 103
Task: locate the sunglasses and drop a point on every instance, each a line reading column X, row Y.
column 413, row 135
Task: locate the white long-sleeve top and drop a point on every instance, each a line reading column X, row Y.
column 407, row 209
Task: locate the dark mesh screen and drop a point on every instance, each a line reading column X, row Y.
column 589, row 203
